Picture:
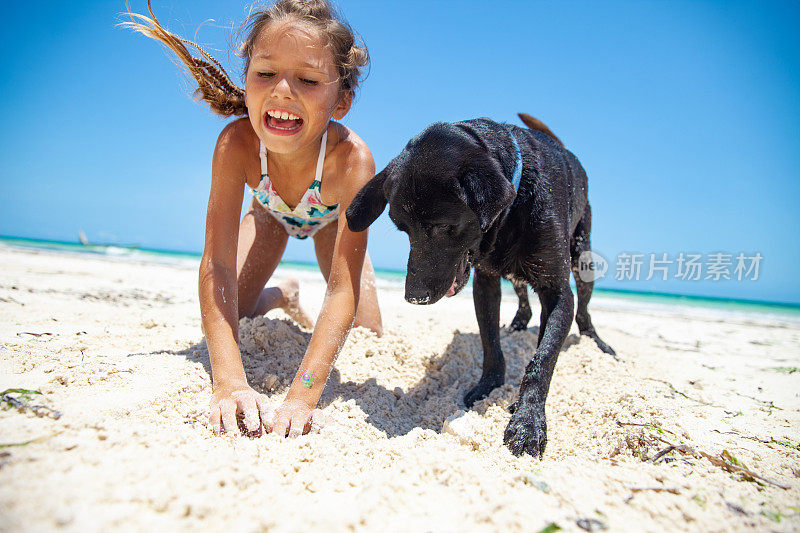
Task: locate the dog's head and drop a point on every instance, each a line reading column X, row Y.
column 445, row 190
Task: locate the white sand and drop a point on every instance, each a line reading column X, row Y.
column 116, row 347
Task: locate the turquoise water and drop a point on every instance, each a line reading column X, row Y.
column 398, row 276
column 730, row 304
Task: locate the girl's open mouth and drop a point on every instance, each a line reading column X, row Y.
column 282, row 122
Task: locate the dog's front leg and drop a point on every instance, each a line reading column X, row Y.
column 527, row 430
column 486, row 296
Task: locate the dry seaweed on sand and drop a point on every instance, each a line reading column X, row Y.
column 23, row 443
column 651, row 427
column 726, row 461
column 550, row 528
column 20, row 399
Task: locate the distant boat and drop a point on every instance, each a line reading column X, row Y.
column 82, row 238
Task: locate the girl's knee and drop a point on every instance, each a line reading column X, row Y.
column 377, row 329
column 372, row 323
column 246, row 311
column 249, row 304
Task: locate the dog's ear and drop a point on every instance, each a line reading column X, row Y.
column 368, row 203
column 487, row 193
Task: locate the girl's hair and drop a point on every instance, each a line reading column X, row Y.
column 215, row 86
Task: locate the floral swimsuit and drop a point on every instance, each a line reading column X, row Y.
column 310, row 214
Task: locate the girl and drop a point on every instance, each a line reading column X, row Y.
column 301, row 68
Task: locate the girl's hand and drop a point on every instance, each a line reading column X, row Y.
column 230, row 399
column 295, row 417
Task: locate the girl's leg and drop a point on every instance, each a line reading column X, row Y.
column 368, row 314
column 262, row 241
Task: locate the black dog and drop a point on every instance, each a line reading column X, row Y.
column 511, row 202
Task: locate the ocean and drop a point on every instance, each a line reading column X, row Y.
column 395, row 278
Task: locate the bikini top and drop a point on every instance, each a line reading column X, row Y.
column 310, row 214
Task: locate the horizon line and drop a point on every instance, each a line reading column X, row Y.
column 622, row 291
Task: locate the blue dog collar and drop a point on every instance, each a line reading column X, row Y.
column 517, row 176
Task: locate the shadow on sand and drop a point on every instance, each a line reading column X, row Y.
column 425, row 404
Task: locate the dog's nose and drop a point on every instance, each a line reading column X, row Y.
column 420, row 297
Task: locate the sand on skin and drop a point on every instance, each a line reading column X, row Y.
column 116, row 347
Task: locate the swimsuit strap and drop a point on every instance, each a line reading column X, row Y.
column 321, row 158
column 262, row 152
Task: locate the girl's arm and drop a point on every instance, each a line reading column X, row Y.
column 338, row 308
column 218, row 285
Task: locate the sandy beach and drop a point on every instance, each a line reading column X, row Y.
column 116, row 350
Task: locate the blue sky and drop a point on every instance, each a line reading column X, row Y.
column 686, row 116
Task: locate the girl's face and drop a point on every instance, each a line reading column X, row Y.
column 292, row 88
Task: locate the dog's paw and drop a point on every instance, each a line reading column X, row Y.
column 526, row 431
column 518, row 324
column 481, row 390
column 605, row 348
column 521, row 319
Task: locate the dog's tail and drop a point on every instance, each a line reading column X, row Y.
column 538, row 125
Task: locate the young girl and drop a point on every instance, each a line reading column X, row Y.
column 301, row 68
